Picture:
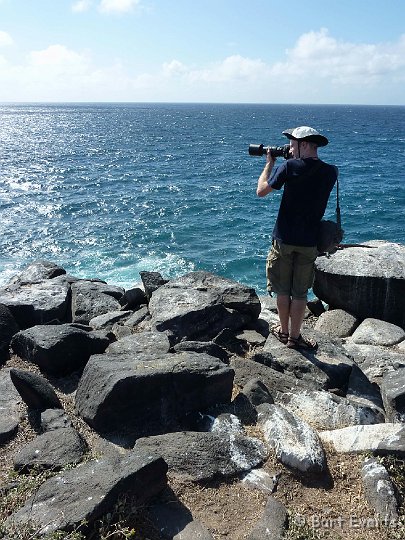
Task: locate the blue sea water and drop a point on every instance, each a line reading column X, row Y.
column 109, row 190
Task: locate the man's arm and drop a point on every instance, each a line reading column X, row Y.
column 263, row 187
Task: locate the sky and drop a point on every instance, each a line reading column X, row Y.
column 215, row 51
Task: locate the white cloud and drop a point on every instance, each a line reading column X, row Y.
column 317, row 69
column 53, row 74
column 82, row 5
column 118, row 6
column 315, row 56
column 174, row 68
column 58, row 73
column 318, row 55
column 5, row 39
column 56, row 55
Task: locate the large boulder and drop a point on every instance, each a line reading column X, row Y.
column 276, row 382
column 376, row 332
column 204, row 456
column 149, row 393
column 37, row 271
column 39, row 302
column 51, row 450
column 198, row 305
column 58, row 349
column 336, row 323
column 90, row 491
column 337, row 412
column 380, row 439
column 91, row 298
column 366, row 281
column 329, row 365
column 296, row 444
column 379, row 490
column 35, row 390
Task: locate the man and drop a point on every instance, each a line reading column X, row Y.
column 307, row 183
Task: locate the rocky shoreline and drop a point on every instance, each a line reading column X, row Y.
column 171, row 375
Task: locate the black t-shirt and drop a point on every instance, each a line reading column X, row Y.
column 304, row 199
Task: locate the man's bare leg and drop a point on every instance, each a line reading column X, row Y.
column 297, row 312
column 283, row 308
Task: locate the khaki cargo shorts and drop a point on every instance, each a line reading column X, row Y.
column 290, row 269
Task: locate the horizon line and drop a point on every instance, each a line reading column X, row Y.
column 99, row 102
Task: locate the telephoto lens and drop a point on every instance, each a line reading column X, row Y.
column 257, row 150
column 275, row 151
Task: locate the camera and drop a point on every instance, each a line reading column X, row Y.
column 275, row 151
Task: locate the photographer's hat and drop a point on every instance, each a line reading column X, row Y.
column 305, row 133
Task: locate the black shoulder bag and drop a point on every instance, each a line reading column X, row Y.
column 330, row 232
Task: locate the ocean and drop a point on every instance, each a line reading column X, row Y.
column 109, row 190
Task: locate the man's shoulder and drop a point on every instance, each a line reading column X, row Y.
column 328, row 164
column 295, row 163
column 332, row 168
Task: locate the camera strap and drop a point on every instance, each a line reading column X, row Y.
column 338, row 220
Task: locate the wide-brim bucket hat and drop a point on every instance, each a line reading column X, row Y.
column 306, row 133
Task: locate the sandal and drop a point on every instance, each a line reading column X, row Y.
column 281, row 336
column 302, row 343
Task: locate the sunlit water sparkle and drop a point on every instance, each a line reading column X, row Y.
column 109, row 190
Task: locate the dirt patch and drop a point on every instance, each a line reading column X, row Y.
column 323, row 507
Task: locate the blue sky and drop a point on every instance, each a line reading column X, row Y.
column 298, row 51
